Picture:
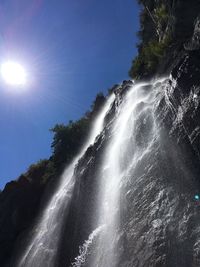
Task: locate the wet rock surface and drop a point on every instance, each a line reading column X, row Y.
column 19, row 202
column 194, row 43
column 159, row 215
column 159, row 221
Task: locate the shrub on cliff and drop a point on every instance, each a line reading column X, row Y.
column 68, row 139
column 40, row 172
column 161, row 14
column 145, row 64
column 154, row 39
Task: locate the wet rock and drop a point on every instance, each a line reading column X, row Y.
column 194, row 43
column 159, row 218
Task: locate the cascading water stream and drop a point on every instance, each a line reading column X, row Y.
column 132, row 135
column 84, row 250
column 42, row 249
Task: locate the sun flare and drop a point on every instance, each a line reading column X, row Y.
column 13, row 73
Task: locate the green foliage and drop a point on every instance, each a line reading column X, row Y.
column 161, row 17
column 40, row 172
column 49, row 173
column 161, row 14
column 154, row 39
column 68, row 140
column 148, row 30
column 137, row 67
column 148, row 59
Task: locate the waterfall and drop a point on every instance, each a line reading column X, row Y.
column 133, row 133
column 42, row 249
column 84, row 250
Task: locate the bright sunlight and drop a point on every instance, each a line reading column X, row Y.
column 13, row 73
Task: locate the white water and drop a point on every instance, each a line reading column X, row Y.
column 133, row 133
column 42, row 249
column 84, row 250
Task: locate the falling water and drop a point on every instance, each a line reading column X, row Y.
column 132, row 135
column 84, row 250
column 42, row 249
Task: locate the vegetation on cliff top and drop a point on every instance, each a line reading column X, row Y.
column 67, row 141
column 154, row 38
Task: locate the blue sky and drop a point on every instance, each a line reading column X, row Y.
column 72, row 49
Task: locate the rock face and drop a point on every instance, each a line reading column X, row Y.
column 183, row 16
column 159, row 221
column 159, row 208
column 194, row 43
column 163, row 217
column 19, row 203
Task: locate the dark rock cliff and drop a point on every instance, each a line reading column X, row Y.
column 160, row 218
column 159, row 213
column 19, row 203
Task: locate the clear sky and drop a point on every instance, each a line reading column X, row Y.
column 72, row 49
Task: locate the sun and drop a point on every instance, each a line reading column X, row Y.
column 13, row 73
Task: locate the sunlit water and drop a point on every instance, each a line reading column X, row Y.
column 133, row 133
column 84, row 250
column 143, row 211
column 42, row 249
